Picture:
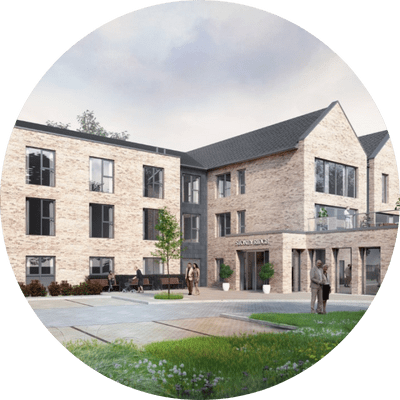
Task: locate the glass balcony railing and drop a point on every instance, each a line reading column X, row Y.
column 355, row 221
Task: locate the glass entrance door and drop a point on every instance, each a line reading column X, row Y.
column 371, row 270
column 343, row 259
column 296, row 265
column 250, row 266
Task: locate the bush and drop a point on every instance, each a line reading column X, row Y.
column 36, row 289
column 172, row 296
column 93, row 287
column 80, row 290
column 225, row 271
column 54, row 289
column 267, row 272
column 65, row 288
column 24, row 289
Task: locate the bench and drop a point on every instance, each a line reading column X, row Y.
column 146, row 282
column 173, row 281
column 104, row 283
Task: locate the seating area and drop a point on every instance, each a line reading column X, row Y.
column 173, row 282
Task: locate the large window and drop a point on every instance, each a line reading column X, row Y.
column 335, row 178
column 40, row 167
column 241, row 221
column 242, row 181
column 153, row 182
column 150, row 220
column 224, row 185
column 40, row 217
column 191, row 188
column 153, row 266
column 41, row 268
column 224, row 224
column 385, row 188
column 191, row 227
column 218, row 262
column 101, row 221
column 101, row 175
column 100, row 265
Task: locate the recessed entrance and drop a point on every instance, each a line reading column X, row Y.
column 250, row 266
column 343, row 258
column 371, row 260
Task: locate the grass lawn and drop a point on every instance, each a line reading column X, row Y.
column 221, row 367
column 172, row 296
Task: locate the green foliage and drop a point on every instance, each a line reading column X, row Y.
column 36, row 289
column 397, row 204
column 65, row 288
column 24, row 289
column 54, row 289
column 267, row 271
column 170, row 296
column 323, row 213
column 225, row 271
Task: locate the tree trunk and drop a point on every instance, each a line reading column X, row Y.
column 169, row 279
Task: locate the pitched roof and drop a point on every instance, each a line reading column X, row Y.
column 373, row 143
column 272, row 139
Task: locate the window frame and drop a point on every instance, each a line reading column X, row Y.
column 156, row 232
column 40, row 274
column 385, row 188
column 91, row 182
column 160, row 264
column 153, row 184
column 241, row 221
column 50, row 218
column 52, row 170
column 242, row 181
column 101, row 265
column 110, row 223
column 194, row 232
column 222, row 228
column 191, row 191
column 226, row 191
column 218, row 263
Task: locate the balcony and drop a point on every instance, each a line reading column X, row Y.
column 356, row 221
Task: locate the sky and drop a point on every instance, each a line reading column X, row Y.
column 183, row 75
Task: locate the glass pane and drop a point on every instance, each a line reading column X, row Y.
column 332, row 178
column 351, row 181
column 107, row 266
column 32, row 264
column 107, row 185
column 106, row 230
column 95, row 263
column 187, row 227
column 96, row 219
column 108, row 168
column 33, row 271
column 228, row 223
column 46, row 176
column 46, row 208
column 221, row 191
column 95, row 175
column 340, row 180
column 221, row 225
column 46, row 227
column 196, row 183
column 319, row 176
column 33, row 166
column 372, row 271
column 227, row 185
column 186, row 188
column 34, row 217
column 48, row 159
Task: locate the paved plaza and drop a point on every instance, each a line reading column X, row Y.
column 142, row 319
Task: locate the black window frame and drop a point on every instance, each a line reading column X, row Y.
column 224, row 229
column 242, row 181
column 40, row 267
column 226, row 189
column 52, row 170
column 194, row 231
column 190, row 196
column 41, row 217
column 102, row 263
column 152, row 184
column 99, row 187
column 154, row 260
column 385, row 188
column 218, row 263
column 110, row 223
column 241, row 221
column 153, row 232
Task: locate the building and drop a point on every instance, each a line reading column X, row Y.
column 75, row 204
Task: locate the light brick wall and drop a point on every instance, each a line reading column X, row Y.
column 71, row 245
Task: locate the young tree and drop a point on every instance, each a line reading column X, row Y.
column 169, row 239
column 397, row 204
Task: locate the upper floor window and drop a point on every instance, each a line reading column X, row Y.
column 242, row 181
column 40, row 167
column 100, row 265
column 101, row 175
column 335, row 178
column 224, row 224
column 224, row 185
column 150, row 220
column 101, row 221
column 153, row 266
column 191, row 228
column 241, row 221
column 385, row 188
column 153, row 182
column 191, row 188
column 40, row 217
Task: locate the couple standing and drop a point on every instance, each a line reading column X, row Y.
column 192, row 277
column 320, row 287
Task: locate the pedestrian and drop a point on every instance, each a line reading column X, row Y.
column 189, row 278
column 348, row 218
column 196, row 279
column 347, row 276
column 316, row 287
column 326, row 287
column 139, row 277
column 111, row 281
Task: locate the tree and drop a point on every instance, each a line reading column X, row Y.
column 397, row 204
column 89, row 124
column 169, row 239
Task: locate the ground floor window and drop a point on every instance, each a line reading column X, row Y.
column 218, row 263
column 153, row 266
column 342, row 270
column 41, row 268
column 224, row 224
column 371, row 260
column 100, row 265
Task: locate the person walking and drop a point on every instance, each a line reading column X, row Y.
column 326, row 287
column 316, row 287
column 347, row 276
column 139, row 277
column 196, row 279
column 189, row 278
column 111, row 281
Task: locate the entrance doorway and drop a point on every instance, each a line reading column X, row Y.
column 343, row 258
column 250, row 266
column 371, row 260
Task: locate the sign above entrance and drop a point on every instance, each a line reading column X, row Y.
column 255, row 242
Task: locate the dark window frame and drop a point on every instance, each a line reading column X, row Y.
column 50, row 218
column 152, row 184
column 191, row 191
column 218, row 263
column 99, row 187
column 154, row 233
column 40, row 267
column 385, row 188
column 146, row 267
column 241, row 221
column 110, row 223
column 52, row 170
column 226, row 189
column 224, row 229
column 194, row 231
column 102, row 259
column 242, row 181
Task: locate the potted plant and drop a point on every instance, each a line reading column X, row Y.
column 225, row 272
column 267, row 272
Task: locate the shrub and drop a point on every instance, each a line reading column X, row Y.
column 54, row 289
column 65, row 288
column 267, row 272
column 225, row 272
column 24, row 289
column 36, row 289
column 93, row 287
column 171, row 296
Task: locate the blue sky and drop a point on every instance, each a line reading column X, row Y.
column 183, row 75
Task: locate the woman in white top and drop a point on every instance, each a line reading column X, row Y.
column 326, row 287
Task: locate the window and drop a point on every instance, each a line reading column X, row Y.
column 37, row 267
column 100, row 265
column 224, row 224
column 153, row 182
column 101, row 175
column 242, row 181
column 101, row 221
column 150, row 220
column 191, row 228
column 153, row 266
column 224, row 185
column 335, row 178
column 191, row 189
column 40, row 167
column 219, row 262
column 40, row 217
column 385, row 188
column 241, row 222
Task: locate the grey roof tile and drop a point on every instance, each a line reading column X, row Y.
column 373, row 142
